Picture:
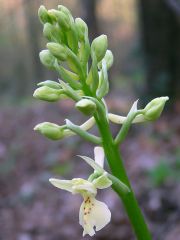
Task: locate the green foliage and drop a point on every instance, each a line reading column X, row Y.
column 62, row 169
column 160, row 173
column 165, row 171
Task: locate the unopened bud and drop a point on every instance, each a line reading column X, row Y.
column 86, row 106
column 48, row 94
column 99, row 47
column 81, row 28
column 64, row 20
column 51, row 84
column 48, row 30
column 153, row 110
column 47, row 59
column 50, row 130
column 108, row 59
column 57, row 50
column 53, row 14
column 43, row 15
column 66, row 11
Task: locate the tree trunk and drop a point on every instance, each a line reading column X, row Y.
column 160, row 25
column 89, row 10
column 33, row 30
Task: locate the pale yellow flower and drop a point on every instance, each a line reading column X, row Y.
column 93, row 214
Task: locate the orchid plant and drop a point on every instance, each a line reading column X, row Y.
column 83, row 71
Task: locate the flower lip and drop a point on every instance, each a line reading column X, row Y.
column 93, row 214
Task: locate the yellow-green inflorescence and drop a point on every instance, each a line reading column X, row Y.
column 83, row 77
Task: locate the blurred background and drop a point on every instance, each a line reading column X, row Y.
column 144, row 37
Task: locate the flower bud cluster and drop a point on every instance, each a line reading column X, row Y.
column 68, row 43
column 82, row 79
column 68, row 52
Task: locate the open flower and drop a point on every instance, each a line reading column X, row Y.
column 93, row 213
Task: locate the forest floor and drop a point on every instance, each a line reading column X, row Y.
column 32, row 209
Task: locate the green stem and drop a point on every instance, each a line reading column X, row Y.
column 116, row 164
column 82, row 133
column 117, row 168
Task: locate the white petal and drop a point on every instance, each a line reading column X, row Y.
column 92, row 214
column 99, row 156
column 81, row 214
column 100, row 214
column 102, row 182
column 87, row 225
column 62, row 184
column 88, row 229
